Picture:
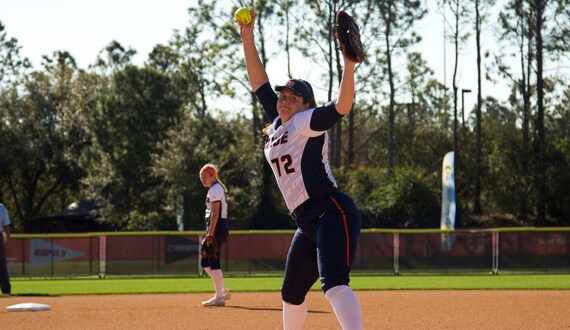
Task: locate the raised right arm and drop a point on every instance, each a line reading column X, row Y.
column 255, row 70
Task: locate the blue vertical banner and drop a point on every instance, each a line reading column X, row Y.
column 448, row 200
column 180, row 212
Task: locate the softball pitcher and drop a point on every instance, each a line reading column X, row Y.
column 296, row 147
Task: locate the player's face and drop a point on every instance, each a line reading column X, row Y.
column 289, row 103
column 206, row 179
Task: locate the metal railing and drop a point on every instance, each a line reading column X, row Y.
column 250, row 253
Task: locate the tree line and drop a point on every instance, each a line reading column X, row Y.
column 132, row 138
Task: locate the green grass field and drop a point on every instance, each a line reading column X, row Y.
column 27, row 287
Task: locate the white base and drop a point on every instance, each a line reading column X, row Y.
column 28, row 307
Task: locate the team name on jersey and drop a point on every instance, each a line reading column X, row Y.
column 276, row 140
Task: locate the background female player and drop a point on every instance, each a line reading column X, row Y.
column 328, row 221
column 216, row 227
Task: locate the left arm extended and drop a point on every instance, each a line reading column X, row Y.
column 345, row 97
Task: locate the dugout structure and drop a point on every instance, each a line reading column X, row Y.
column 263, row 253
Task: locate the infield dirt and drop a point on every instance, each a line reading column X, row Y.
column 442, row 309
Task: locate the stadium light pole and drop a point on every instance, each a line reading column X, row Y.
column 463, row 91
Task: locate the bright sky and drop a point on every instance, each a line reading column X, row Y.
column 84, row 28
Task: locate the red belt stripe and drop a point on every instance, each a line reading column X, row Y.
column 345, row 229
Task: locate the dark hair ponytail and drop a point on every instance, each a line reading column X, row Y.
column 311, row 101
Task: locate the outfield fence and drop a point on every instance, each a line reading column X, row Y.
column 251, row 253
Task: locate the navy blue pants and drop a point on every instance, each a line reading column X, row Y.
column 324, row 246
column 221, row 236
column 4, row 277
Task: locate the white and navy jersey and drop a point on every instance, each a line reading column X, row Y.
column 297, row 150
column 216, row 193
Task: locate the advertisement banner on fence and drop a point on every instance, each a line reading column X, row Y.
column 44, row 252
column 178, row 248
column 448, row 200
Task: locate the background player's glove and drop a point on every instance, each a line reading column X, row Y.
column 209, row 248
column 348, row 35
